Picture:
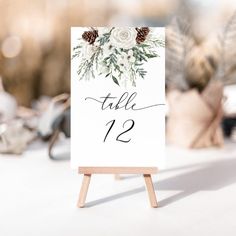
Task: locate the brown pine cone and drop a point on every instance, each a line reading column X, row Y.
column 90, row 36
column 142, row 34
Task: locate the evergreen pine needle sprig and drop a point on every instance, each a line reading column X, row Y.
column 117, row 53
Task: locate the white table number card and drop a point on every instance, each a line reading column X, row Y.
column 118, row 97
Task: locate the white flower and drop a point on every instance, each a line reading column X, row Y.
column 108, row 49
column 123, row 62
column 103, row 69
column 97, row 43
column 123, row 37
column 88, row 51
column 130, row 56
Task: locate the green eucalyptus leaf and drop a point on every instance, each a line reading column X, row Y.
column 115, row 80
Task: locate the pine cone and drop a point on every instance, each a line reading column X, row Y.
column 90, row 36
column 142, row 34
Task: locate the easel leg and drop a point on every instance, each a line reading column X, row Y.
column 84, row 190
column 150, row 189
column 117, row 177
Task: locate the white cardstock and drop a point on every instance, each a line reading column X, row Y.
column 118, row 116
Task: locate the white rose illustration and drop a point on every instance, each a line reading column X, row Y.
column 115, row 54
column 123, row 37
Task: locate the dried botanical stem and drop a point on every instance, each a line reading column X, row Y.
column 1, row 85
column 227, row 65
column 176, row 51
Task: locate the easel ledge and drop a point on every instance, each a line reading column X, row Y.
column 145, row 171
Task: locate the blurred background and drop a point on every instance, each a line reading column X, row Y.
column 35, row 53
column 39, row 195
column 35, row 35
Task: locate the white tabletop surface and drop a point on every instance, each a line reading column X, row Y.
column 196, row 194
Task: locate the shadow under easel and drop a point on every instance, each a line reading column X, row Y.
column 206, row 177
column 115, row 197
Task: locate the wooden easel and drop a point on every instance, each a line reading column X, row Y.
column 145, row 171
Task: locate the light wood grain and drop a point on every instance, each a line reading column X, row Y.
column 117, row 177
column 145, row 171
column 150, row 190
column 117, row 170
column 84, row 190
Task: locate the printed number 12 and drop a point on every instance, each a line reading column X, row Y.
column 118, row 138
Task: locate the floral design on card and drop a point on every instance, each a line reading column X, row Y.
column 117, row 53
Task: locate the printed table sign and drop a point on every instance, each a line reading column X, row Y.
column 118, row 97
